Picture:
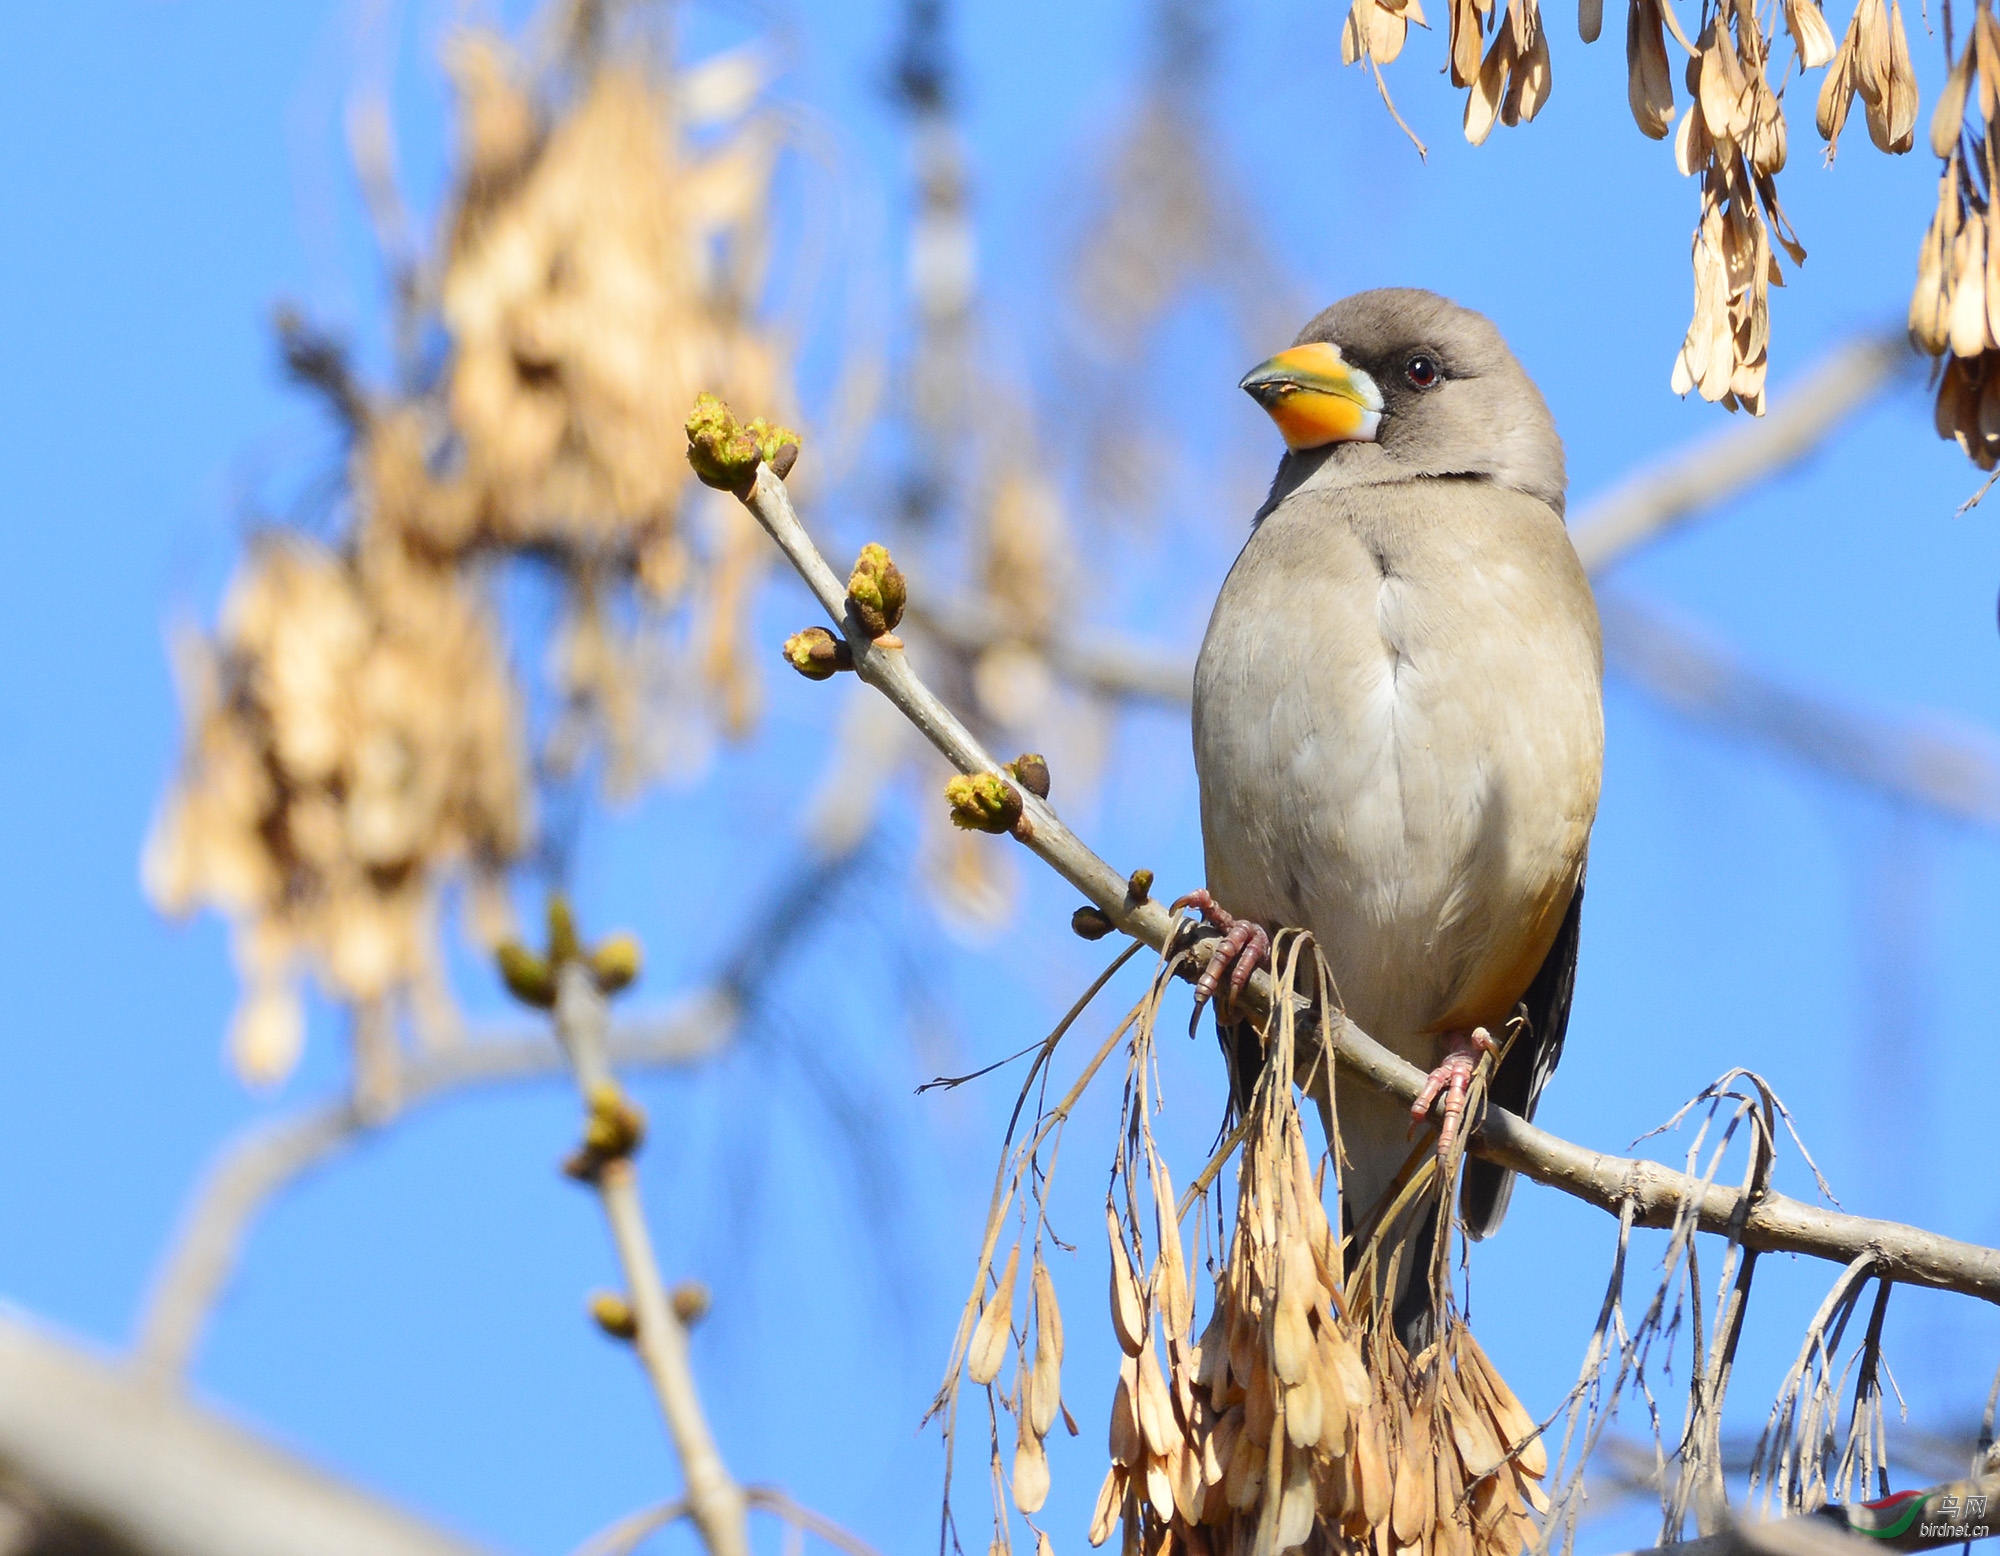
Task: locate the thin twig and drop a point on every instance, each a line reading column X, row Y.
column 1662, row 497
column 268, row 1157
column 715, row 1501
column 1772, row 1223
column 257, row 1165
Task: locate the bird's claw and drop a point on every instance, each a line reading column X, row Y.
column 1451, row 1080
column 1243, row 949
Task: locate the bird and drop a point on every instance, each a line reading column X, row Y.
column 1398, row 730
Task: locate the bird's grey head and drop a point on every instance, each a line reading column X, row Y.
column 1400, row 383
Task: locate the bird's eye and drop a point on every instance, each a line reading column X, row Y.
column 1422, row 371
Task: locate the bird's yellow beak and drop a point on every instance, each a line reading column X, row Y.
column 1315, row 397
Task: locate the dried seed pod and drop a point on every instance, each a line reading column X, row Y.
column 995, row 1327
column 1649, row 81
column 1304, row 1415
column 1948, row 118
column 1031, row 1471
column 1810, row 34
column 1127, row 1448
column 1243, row 1480
column 1128, row 1309
column 1110, row 1499
column 1297, row 1503
column 1156, row 1405
column 1171, row 1298
column 1047, row 1374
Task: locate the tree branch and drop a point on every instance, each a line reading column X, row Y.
column 1946, row 766
column 1771, row 1221
column 1662, row 497
column 267, row 1157
column 114, row 1468
column 1938, row 1519
column 714, row 1501
column 271, row 1155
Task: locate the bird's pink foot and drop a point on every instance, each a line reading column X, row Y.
column 1243, row 949
column 1450, row 1080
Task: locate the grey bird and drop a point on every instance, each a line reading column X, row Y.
column 1398, row 724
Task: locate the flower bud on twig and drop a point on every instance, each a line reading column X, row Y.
column 614, row 1315
column 690, row 1300
column 1088, row 923
column 725, row 453
column 528, row 977
column 817, row 654
column 876, row 591
column 983, row 802
column 1031, row 768
column 615, row 963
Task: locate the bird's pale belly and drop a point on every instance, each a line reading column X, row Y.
column 1408, row 812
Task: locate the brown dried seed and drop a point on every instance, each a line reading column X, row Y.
column 1047, row 1393
column 1126, row 1446
column 995, row 1327
column 1810, row 34
column 1968, row 291
column 1260, row 1408
column 1184, row 1470
column 1589, row 19
column 1415, row 1495
column 1220, row 1444
column 1304, row 1414
column 1297, row 1504
column 1482, row 103
column 1156, row 1406
column 1836, row 92
column 1464, row 42
column 1529, row 88
column 1291, row 1344
column 1128, row 1312
column 1948, row 118
column 1212, row 1370
column 1110, row 1497
column 1159, row 1486
column 1511, row 1420
column 1988, row 421
column 1031, row 1471
column 1244, row 1479
column 1043, row 1545
column 1649, row 86
column 1171, row 1298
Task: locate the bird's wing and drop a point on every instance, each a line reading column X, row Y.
column 1526, row 1070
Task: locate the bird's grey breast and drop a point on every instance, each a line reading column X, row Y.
column 1372, row 766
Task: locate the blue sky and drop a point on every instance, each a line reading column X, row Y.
column 413, row 1316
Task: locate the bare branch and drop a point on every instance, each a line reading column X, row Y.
column 267, row 1157
column 1944, row 765
column 118, row 1469
column 715, row 1502
column 271, row 1155
column 1660, row 499
column 1930, row 1519
column 1656, row 1193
